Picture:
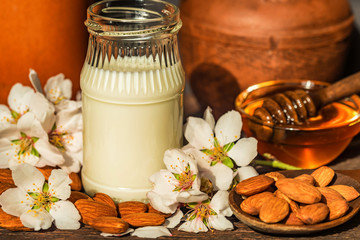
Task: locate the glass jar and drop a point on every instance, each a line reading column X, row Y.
column 132, row 83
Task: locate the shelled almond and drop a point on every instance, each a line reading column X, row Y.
column 305, row 199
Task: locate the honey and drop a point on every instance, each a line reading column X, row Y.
column 314, row 143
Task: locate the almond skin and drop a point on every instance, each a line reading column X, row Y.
column 323, row 176
column 130, row 207
column 293, row 220
column 329, row 195
column 11, row 222
column 275, row 175
column 144, row 219
column 90, row 209
column 253, row 185
column 348, row 192
column 274, row 210
column 313, row 213
column 112, row 225
column 252, row 204
column 298, row 190
column 6, row 176
column 6, row 186
column 104, row 198
column 76, row 195
column 306, row 178
column 337, row 209
column 293, row 205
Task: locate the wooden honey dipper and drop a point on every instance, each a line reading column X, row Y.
column 296, row 106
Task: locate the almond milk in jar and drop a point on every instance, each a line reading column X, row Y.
column 132, row 83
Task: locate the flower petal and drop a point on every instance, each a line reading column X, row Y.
column 49, row 154
column 246, row 172
column 195, row 226
column 162, row 203
column 174, row 220
column 191, row 196
column 244, row 151
column 43, row 110
column 28, row 178
column 209, row 117
column 66, row 216
column 58, row 88
column 220, row 201
column 228, row 127
column 164, row 182
column 19, row 98
column 36, row 219
column 151, row 232
column 31, row 126
column 72, row 162
column 8, row 152
column 59, row 184
column 177, row 160
column 199, row 133
column 219, row 222
column 220, row 175
column 69, row 119
column 129, row 230
column 15, row 201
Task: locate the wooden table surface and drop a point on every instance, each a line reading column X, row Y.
column 348, row 160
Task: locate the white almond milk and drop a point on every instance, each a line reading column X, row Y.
column 131, row 116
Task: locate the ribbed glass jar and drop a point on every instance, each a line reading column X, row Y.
column 132, row 86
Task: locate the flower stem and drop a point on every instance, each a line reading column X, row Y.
column 276, row 164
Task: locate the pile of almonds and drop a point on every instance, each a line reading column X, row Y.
column 305, row 199
column 100, row 211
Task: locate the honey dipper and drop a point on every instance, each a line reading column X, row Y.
column 296, row 106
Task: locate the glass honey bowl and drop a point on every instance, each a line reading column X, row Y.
column 316, row 142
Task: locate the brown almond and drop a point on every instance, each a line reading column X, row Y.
column 76, row 195
column 90, row 209
column 144, row 219
column 104, row 198
column 323, row 176
column 306, row 178
column 337, row 209
column 130, row 207
column 252, row 204
column 313, row 213
column 6, row 176
column 112, row 225
column 293, row 205
column 153, row 210
column 6, row 186
column 11, row 222
column 275, row 175
column 274, row 210
column 348, row 192
column 298, row 190
column 329, row 195
column 253, row 185
column 293, row 220
column 46, row 171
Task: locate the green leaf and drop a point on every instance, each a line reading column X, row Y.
column 228, row 162
column 34, row 195
column 228, row 147
column 35, row 152
column 212, row 212
column 47, row 208
column 192, row 204
column 216, row 143
column 23, row 135
column 34, row 139
column 192, row 217
column 193, row 177
column 45, row 188
column 16, row 141
column 54, row 127
column 213, row 163
column 177, row 176
column 36, row 207
column 54, row 199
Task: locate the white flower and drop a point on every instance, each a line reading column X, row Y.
column 57, row 89
column 39, row 203
column 66, row 135
column 178, row 183
column 209, row 215
column 218, row 146
column 28, row 144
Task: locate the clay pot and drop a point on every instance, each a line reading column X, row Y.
column 228, row 45
column 48, row 36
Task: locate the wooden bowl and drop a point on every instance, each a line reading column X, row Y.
column 279, row 228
